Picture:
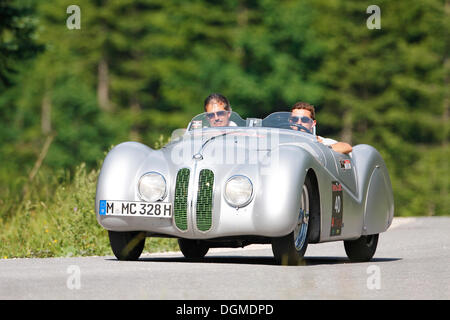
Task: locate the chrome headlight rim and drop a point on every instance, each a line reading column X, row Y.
column 143, row 197
column 241, row 205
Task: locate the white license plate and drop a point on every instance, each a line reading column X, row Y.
column 135, row 209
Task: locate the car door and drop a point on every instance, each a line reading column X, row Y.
column 343, row 195
column 345, row 170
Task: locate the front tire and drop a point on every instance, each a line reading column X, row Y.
column 193, row 249
column 127, row 246
column 290, row 249
column 362, row 249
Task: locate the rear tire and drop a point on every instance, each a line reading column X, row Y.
column 193, row 249
column 362, row 249
column 290, row 249
column 127, row 246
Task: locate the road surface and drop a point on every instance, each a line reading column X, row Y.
column 412, row 262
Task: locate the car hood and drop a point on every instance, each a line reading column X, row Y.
column 235, row 145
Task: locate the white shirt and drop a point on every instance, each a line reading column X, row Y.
column 328, row 141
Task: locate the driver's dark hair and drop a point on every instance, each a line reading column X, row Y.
column 217, row 97
column 306, row 106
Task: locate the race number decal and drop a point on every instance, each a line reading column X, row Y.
column 337, row 209
column 345, row 164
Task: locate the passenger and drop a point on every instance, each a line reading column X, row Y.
column 218, row 110
column 303, row 119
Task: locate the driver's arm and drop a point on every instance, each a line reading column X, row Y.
column 342, row 147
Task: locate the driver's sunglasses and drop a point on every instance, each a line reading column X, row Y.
column 304, row 119
column 212, row 115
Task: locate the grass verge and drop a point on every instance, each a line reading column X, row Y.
column 62, row 223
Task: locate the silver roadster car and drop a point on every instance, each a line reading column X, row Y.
column 247, row 181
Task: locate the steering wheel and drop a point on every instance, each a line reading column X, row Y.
column 300, row 127
column 283, row 126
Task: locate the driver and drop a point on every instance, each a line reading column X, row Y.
column 218, row 110
column 303, row 119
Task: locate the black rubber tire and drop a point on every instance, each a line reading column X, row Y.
column 361, row 249
column 284, row 251
column 193, row 249
column 283, row 248
column 127, row 246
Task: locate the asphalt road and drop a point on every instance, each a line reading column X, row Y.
column 412, row 262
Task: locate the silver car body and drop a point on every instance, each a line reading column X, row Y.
column 354, row 190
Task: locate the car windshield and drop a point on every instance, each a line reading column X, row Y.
column 285, row 120
column 230, row 119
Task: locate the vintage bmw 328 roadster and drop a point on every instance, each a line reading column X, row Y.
column 251, row 181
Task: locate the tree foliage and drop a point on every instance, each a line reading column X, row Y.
column 138, row 69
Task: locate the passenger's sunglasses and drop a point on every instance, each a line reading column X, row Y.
column 304, row 119
column 212, row 115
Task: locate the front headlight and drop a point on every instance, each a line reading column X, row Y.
column 238, row 191
column 152, row 187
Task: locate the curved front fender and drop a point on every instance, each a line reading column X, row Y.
column 277, row 203
column 118, row 173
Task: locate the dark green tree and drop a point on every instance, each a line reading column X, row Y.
column 387, row 87
column 17, row 30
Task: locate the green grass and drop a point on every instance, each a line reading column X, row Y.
column 56, row 218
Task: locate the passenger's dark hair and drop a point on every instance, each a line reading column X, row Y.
column 217, row 97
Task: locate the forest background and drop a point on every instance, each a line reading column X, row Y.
column 139, row 69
